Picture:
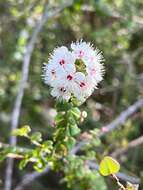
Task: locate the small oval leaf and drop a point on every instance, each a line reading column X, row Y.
column 108, row 166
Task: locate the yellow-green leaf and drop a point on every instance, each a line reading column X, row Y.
column 23, row 131
column 108, row 166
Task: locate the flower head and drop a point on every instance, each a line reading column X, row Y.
column 74, row 73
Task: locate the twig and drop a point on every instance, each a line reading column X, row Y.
column 118, row 182
column 120, row 175
column 25, row 71
column 27, row 179
column 15, row 156
column 120, row 120
column 131, row 144
column 117, row 15
column 3, row 145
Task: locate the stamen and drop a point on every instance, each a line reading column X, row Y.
column 82, row 84
column 53, row 72
column 62, row 89
column 62, row 62
column 69, row 77
column 81, row 53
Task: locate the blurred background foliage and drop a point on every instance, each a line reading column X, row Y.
column 115, row 27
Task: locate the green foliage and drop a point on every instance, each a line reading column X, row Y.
column 74, row 130
column 56, row 152
column 36, row 137
column 79, row 175
column 6, row 151
column 76, row 112
column 23, row 131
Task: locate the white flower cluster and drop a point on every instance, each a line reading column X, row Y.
column 74, row 73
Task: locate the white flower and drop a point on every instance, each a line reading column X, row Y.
column 82, row 50
column 62, row 58
column 84, row 89
column 95, row 67
column 61, row 93
column 74, row 73
column 50, row 73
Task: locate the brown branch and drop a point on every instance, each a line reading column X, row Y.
column 25, row 72
column 132, row 144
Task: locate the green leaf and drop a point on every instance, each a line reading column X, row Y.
column 23, row 131
column 59, row 118
column 36, row 137
column 76, row 112
column 74, row 130
column 70, row 142
column 63, row 106
column 23, row 163
column 39, row 165
column 6, row 151
column 47, row 146
column 2, row 157
column 108, row 166
column 59, row 134
column 96, row 142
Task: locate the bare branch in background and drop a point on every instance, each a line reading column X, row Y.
column 120, row 175
column 27, row 179
column 25, row 71
column 120, row 120
column 132, row 144
column 117, row 15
